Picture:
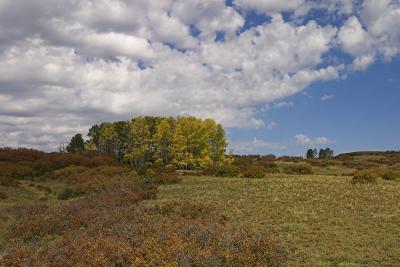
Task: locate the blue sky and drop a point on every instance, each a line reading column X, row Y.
column 361, row 113
column 280, row 76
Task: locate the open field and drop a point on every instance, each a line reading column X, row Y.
column 325, row 220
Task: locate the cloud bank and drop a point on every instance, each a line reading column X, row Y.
column 65, row 65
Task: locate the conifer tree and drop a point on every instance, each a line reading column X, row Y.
column 76, row 145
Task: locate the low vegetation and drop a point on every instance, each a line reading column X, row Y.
column 94, row 216
column 254, row 172
column 365, row 177
column 324, row 220
column 93, row 208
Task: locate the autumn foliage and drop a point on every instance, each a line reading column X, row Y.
column 110, row 229
column 101, row 220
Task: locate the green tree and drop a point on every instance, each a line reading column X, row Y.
column 326, row 153
column 312, row 153
column 139, row 141
column 108, row 137
column 217, row 141
column 163, row 139
column 321, row 154
column 121, row 138
column 94, row 137
column 181, row 156
column 76, row 145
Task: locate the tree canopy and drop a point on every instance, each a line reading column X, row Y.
column 76, row 145
column 185, row 142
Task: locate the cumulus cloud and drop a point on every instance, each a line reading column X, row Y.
column 270, row 6
column 304, row 140
column 373, row 34
column 271, row 125
column 70, row 64
column 255, row 146
column 282, row 104
column 327, row 97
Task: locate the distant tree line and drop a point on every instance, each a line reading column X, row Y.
column 185, row 142
column 326, row 153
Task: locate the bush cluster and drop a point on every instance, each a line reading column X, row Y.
column 254, row 171
column 85, row 179
column 3, row 195
column 391, row 175
column 365, row 177
column 167, row 175
column 108, row 229
column 69, row 193
column 298, row 168
column 227, row 170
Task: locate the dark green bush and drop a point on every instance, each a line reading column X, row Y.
column 8, row 181
column 391, row 175
column 365, row 177
column 69, row 193
column 254, row 172
column 298, row 168
column 227, row 170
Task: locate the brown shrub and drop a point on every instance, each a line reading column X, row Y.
column 8, row 181
column 254, row 172
column 3, row 195
column 166, row 176
column 15, row 170
column 19, row 154
column 85, row 179
column 180, row 234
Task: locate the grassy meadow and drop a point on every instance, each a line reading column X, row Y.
column 63, row 209
column 323, row 220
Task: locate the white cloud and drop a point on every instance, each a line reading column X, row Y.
column 271, row 125
column 255, row 146
column 304, row 140
column 327, row 97
column 67, row 65
column 282, row 104
column 269, row 6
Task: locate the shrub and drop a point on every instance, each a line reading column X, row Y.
column 70, row 172
column 43, row 188
column 42, row 170
column 105, row 230
column 391, row 175
column 365, row 177
column 3, row 195
column 190, row 173
column 254, row 172
column 226, row 170
column 69, row 193
column 270, row 167
column 298, row 168
column 15, row 170
column 166, row 176
column 100, row 178
column 210, row 170
column 19, row 154
column 8, row 181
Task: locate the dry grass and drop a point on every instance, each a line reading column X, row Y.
column 326, row 220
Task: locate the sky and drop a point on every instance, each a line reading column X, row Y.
column 280, row 76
